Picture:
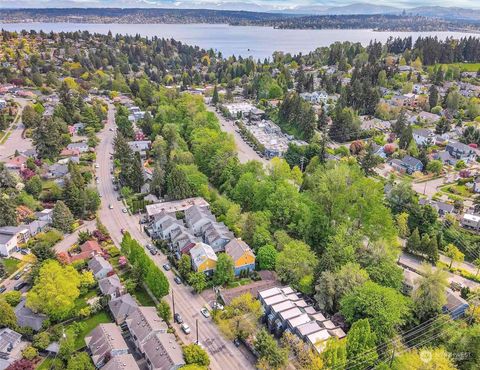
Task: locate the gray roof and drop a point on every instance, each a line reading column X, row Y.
column 236, row 248
column 98, row 263
column 460, row 147
column 411, row 161
column 121, row 362
column 27, row 318
column 104, row 339
column 110, row 284
column 163, row 352
column 145, row 321
column 8, row 339
column 122, row 307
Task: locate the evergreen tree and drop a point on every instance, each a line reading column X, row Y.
column 361, row 348
column 433, row 96
column 413, row 243
column 62, row 217
column 215, row 98
column 177, row 184
column 157, row 185
column 8, row 213
column 406, row 138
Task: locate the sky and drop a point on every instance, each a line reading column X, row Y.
column 269, row 4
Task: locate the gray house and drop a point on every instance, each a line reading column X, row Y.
column 122, row 307
column 104, row 342
column 27, row 318
column 100, row 267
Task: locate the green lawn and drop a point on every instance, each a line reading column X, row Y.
column 45, row 365
column 81, row 302
column 143, row 297
column 465, row 67
column 88, row 325
column 11, row 265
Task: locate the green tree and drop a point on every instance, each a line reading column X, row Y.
column 331, row 286
column 62, row 218
column 34, row 186
column 198, row 281
column 435, row 167
column 178, row 186
column 429, row 293
column 29, row 353
column 55, row 291
column 194, row 354
column 385, row 308
column 413, row 244
column 215, row 96
column 267, row 257
column 185, row 266
column 361, row 346
column 334, row 355
column 224, row 271
column 295, row 262
column 80, row 361
column 30, row 118
column 8, row 212
column 49, row 137
column 269, row 351
column 7, row 318
column 164, row 311
column 454, row 254
column 41, row 340
column 12, row 297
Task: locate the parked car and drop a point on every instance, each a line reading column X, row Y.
column 18, row 276
column 178, row 318
column 124, row 210
column 110, row 206
column 122, row 231
column 20, row 285
column 167, row 267
column 205, row 312
column 217, row 306
column 185, row 328
column 2, row 289
column 153, row 251
column 177, row 280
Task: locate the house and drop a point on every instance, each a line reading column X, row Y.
column 17, row 163
column 3, row 103
column 78, row 127
column 69, row 152
column 461, row 151
column 471, row 221
column 111, row 286
column 423, row 137
column 165, row 228
column 143, row 323
column 286, row 310
column 10, row 342
column 204, row 258
column 11, row 237
column 174, row 206
column 241, row 254
column 88, row 250
column 45, row 215
column 216, row 235
column 121, row 362
column 181, row 241
column 122, row 307
column 141, row 147
column 27, row 318
column 37, row 226
column 196, row 217
column 162, row 352
column 82, row 147
column 104, row 342
column 446, row 158
column 100, row 267
column 412, row 164
column 442, row 208
column 57, row 171
column 456, row 306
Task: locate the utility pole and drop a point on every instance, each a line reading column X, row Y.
column 196, row 324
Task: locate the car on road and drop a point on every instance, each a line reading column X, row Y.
column 167, row 267
column 124, row 210
column 122, row 231
column 110, row 206
column 110, row 129
column 2, row 289
column 119, row 198
column 18, row 276
column 178, row 318
column 97, row 165
column 186, row 329
column 24, row 251
column 97, row 181
column 205, row 312
column 177, row 280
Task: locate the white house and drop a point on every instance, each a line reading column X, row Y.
column 423, row 137
column 471, row 221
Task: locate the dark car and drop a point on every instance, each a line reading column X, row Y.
column 167, row 267
column 2, row 289
column 177, row 280
column 153, row 251
column 178, row 318
column 17, row 276
column 20, row 285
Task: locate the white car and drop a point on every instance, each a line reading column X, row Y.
column 217, row 306
column 97, row 165
column 185, row 328
column 205, row 312
column 124, row 210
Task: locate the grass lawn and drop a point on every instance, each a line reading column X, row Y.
column 81, row 302
column 143, row 297
column 465, row 67
column 11, row 265
column 45, row 365
column 239, row 282
column 88, row 325
column 459, row 190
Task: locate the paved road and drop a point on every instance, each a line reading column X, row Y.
column 15, row 140
column 223, row 354
column 415, row 264
column 245, row 151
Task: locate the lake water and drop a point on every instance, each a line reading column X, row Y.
column 259, row 42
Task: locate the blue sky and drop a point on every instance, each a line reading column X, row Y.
column 265, row 3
